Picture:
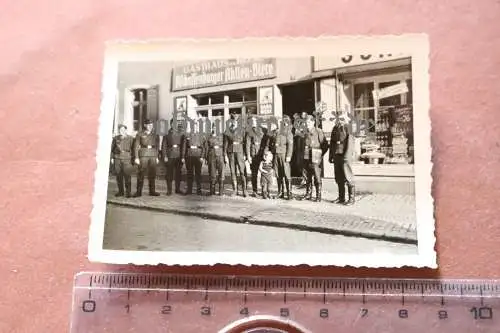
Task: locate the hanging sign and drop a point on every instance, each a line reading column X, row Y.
column 396, row 89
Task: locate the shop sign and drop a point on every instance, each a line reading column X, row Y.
column 339, row 61
column 220, row 72
column 396, row 89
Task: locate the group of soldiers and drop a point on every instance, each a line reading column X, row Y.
column 249, row 152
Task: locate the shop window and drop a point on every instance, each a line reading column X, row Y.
column 392, row 100
column 217, row 99
column 140, row 108
column 202, row 100
column 250, row 95
column 364, row 106
column 218, row 113
column 235, row 97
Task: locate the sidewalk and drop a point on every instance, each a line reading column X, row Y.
column 379, row 216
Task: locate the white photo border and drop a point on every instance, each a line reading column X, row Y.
column 180, row 49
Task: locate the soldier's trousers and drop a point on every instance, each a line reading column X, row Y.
column 313, row 172
column 254, row 167
column 123, row 170
column 216, row 169
column 193, row 167
column 236, row 161
column 343, row 171
column 147, row 167
column 282, row 169
column 174, row 166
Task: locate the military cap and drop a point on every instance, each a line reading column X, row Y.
column 310, row 117
column 286, row 117
column 148, row 121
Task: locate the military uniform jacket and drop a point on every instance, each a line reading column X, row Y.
column 341, row 142
column 253, row 141
column 284, row 143
column 193, row 145
column 146, row 145
column 122, row 146
column 314, row 139
column 172, row 144
column 234, row 140
column 214, row 146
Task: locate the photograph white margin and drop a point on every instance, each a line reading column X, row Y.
column 181, row 49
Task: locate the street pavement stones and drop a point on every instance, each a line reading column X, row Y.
column 379, row 216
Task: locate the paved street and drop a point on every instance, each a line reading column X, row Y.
column 376, row 216
column 134, row 229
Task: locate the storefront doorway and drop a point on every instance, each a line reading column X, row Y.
column 297, row 98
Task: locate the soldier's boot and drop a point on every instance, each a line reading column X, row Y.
column 152, row 187
column 128, row 187
column 288, row 190
column 198, row 186
column 264, row 196
column 281, row 189
column 140, row 183
column 221, row 187
column 212, row 188
column 244, row 186
column 318, row 192
column 120, row 192
column 235, row 188
column 351, row 192
column 341, row 198
column 308, row 194
column 169, row 187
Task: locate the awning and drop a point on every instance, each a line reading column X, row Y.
column 396, row 65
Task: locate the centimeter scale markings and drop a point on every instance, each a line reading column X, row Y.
column 123, row 302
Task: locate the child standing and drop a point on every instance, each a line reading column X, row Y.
column 266, row 173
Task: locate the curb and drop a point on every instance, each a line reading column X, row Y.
column 248, row 220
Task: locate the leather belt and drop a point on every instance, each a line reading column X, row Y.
column 216, row 147
column 175, row 146
column 236, row 143
column 194, row 147
column 149, row 147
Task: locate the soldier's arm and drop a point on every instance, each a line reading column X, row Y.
column 323, row 141
column 157, row 145
column 183, row 146
column 349, row 149
column 164, row 146
column 248, row 142
column 289, row 145
column 136, row 146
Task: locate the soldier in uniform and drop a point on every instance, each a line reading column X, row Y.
column 283, row 148
column 299, row 134
column 171, row 151
column 214, row 155
column 146, row 157
column 252, row 149
column 234, row 137
column 192, row 155
column 121, row 149
column 341, row 155
column 315, row 146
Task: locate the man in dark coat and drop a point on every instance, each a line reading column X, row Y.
column 171, row 151
column 121, row 150
column 315, row 146
column 146, row 157
column 192, row 155
column 253, row 140
column 341, row 155
column 234, row 137
column 300, row 129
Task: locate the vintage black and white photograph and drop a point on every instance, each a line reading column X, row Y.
column 265, row 151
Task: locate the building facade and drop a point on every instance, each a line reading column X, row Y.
column 375, row 90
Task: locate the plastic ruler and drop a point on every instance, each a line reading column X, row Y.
column 137, row 302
